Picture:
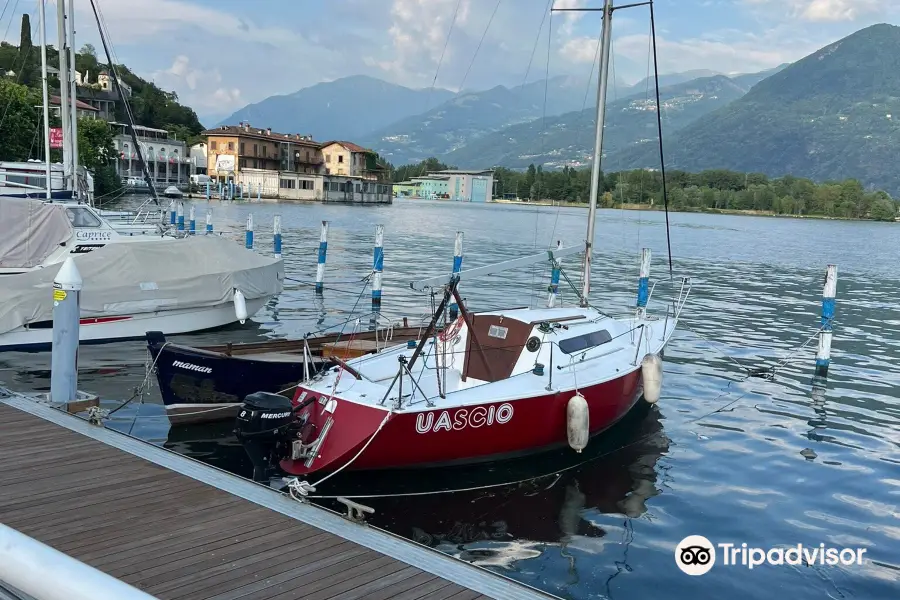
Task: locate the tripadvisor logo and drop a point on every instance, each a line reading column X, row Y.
column 696, row 555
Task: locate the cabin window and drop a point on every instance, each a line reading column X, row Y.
column 242, row 147
column 231, row 146
column 212, row 145
column 82, row 217
column 583, row 342
column 340, row 158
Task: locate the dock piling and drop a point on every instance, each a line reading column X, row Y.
column 276, row 231
column 172, row 212
column 180, row 213
column 241, row 191
column 377, row 267
column 643, row 284
column 320, row 267
column 259, row 191
column 207, row 190
column 66, row 320
column 554, row 279
column 248, row 240
column 209, row 228
column 192, row 222
column 457, row 266
column 823, row 355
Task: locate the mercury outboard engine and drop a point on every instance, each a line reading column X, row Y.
column 265, row 427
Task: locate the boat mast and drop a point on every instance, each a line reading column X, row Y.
column 73, row 105
column 606, row 35
column 64, row 91
column 124, row 98
column 46, row 98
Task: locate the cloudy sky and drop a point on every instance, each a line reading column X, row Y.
column 219, row 55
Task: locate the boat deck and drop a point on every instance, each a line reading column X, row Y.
column 177, row 528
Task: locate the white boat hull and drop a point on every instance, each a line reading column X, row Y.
column 123, row 327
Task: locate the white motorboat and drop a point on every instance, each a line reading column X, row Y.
column 173, row 286
column 35, row 234
column 172, row 192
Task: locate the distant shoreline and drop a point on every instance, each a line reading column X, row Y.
column 719, row 211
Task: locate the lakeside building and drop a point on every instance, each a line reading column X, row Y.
column 293, row 166
column 166, row 156
column 451, row 184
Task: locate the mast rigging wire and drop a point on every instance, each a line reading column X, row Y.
column 662, row 160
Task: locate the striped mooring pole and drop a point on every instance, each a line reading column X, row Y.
column 248, row 240
column 181, row 216
column 554, row 279
column 192, row 224
column 823, row 355
column 457, row 266
column 259, row 191
column 207, row 190
column 643, row 294
column 64, row 344
column 276, row 231
column 172, row 212
column 377, row 267
column 320, row 267
column 209, row 228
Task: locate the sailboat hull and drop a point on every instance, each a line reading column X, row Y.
column 468, row 434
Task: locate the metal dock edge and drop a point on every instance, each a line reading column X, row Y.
column 472, row 577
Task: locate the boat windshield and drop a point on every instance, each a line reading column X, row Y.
column 80, row 216
column 583, row 342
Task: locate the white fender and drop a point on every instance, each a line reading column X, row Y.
column 578, row 421
column 240, row 306
column 652, row 370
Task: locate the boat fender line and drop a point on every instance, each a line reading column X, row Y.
column 652, row 370
column 299, row 490
column 578, row 422
column 240, row 306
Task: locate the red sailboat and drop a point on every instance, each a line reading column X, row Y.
column 478, row 388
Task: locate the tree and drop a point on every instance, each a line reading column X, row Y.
column 26, row 62
column 19, row 126
column 89, row 50
column 95, row 143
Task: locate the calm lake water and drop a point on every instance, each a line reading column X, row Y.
column 735, row 459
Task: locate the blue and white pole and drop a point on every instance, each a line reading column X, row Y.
column 248, row 241
column 457, row 266
column 220, row 190
column 554, row 279
column 66, row 321
column 209, row 228
column 643, row 284
column 172, row 212
column 192, row 226
column 320, row 267
column 823, row 356
column 241, row 191
column 377, row 267
column 207, row 190
column 276, row 229
column 180, row 212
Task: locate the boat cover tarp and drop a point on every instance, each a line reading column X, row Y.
column 139, row 277
column 30, row 230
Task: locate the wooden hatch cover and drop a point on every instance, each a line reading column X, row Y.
column 501, row 340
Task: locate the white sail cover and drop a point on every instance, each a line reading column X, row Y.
column 139, row 277
column 30, row 230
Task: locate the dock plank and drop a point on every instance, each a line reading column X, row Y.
column 177, row 536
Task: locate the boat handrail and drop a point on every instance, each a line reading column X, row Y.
column 44, row 573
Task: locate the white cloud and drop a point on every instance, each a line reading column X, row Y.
column 820, row 11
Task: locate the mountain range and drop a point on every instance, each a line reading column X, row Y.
column 832, row 114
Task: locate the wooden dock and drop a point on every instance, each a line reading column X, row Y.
column 177, row 528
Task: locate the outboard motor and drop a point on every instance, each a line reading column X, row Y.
column 265, row 427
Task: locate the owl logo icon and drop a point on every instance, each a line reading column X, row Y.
column 695, row 555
